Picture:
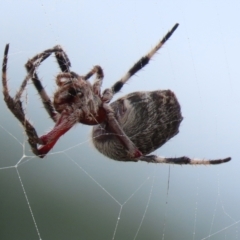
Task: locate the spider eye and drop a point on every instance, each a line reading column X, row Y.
column 73, row 92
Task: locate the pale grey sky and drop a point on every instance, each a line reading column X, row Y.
column 200, row 63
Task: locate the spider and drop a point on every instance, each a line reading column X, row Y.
column 126, row 130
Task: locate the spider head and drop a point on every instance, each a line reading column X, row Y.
column 75, row 93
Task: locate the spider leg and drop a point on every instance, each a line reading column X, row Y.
column 137, row 66
column 98, row 80
column 15, row 105
column 182, row 160
column 63, row 124
column 47, row 103
column 62, row 59
column 32, row 65
column 134, row 153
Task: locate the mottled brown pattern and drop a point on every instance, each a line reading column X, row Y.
column 149, row 119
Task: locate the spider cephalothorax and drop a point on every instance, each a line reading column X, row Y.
column 126, row 130
column 75, row 93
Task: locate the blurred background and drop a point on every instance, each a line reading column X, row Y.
column 77, row 193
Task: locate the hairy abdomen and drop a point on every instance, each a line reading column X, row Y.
column 149, row 119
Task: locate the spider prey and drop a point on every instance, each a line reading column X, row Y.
column 126, row 130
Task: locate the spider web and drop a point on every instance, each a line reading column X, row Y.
column 75, row 192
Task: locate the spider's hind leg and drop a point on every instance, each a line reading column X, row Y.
column 141, row 63
column 182, row 160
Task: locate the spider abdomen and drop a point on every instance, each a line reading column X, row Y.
column 149, row 119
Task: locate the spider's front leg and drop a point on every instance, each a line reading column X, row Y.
column 75, row 103
column 15, row 105
column 63, row 124
column 31, row 67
